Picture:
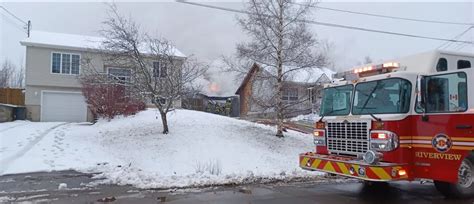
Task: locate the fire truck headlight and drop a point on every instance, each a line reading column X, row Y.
column 319, row 141
column 378, row 146
column 383, row 141
column 319, row 137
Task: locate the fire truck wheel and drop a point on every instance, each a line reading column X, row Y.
column 465, row 186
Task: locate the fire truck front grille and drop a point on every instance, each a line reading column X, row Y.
column 350, row 138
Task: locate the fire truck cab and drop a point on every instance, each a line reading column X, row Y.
column 406, row 119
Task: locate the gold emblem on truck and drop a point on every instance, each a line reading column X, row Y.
column 432, row 155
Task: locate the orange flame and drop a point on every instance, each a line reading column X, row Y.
column 214, row 87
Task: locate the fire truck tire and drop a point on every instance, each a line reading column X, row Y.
column 465, row 186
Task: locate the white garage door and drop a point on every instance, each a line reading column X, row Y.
column 63, row 107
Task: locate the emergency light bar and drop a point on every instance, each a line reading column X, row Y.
column 377, row 69
column 364, row 69
column 391, row 65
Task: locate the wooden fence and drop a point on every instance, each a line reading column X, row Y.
column 12, row 96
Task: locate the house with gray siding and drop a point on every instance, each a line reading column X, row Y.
column 53, row 63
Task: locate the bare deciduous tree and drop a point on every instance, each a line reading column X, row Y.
column 11, row 75
column 159, row 71
column 19, row 78
column 6, row 73
column 282, row 43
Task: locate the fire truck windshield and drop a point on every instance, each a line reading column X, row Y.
column 336, row 100
column 382, row 97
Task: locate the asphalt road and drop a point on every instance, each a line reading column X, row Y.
column 43, row 188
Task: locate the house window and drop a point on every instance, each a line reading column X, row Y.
column 164, row 71
column 314, row 93
column 66, row 64
column 75, row 64
column 158, row 70
column 120, row 74
column 162, row 101
column 159, row 100
column 56, row 64
column 290, row 94
column 63, row 63
column 463, row 64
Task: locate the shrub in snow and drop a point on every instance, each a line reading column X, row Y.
column 107, row 100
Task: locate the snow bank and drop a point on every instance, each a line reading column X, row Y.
column 201, row 149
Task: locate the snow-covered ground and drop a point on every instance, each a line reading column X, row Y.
column 312, row 117
column 202, row 149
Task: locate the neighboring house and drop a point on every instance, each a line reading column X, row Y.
column 53, row 63
column 303, row 88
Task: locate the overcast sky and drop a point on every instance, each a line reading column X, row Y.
column 209, row 33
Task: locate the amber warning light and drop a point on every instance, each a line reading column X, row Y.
column 402, row 172
column 320, row 125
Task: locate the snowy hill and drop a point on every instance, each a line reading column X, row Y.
column 202, row 149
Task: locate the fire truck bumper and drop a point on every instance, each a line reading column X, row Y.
column 355, row 168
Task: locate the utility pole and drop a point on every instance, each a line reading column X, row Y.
column 28, row 28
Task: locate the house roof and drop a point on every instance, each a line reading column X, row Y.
column 215, row 97
column 70, row 41
column 247, row 77
column 303, row 76
column 306, row 75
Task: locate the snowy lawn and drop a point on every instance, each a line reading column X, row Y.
column 202, row 149
column 312, row 117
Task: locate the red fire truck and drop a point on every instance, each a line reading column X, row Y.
column 406, row 119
